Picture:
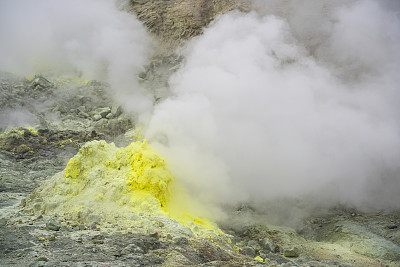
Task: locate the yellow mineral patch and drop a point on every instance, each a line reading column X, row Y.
column 20, row 131
column 32, row 130
column 116, row 182
column 68, row 80
column 258, row 258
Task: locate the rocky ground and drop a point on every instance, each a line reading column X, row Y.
column 45, row 120
column 65, row 121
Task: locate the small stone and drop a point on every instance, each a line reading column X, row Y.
column 82, row 109
column 180, row 241
column 98, row 239
column 155, row 234
column 19, row 255
column 42, row 258
column 42, row 238
column 93, row 219
column 109, row 116
column 116, row 110
column 37, row 206
column 267, row 244
column 97, row 117
column 392, row 226
column 142, row 75
column 93, row 226
column 53, row 226
column 103, row 112
column 254, row 244
column 3, row 222
column 249, row 251
column 291, row 252
column 52, row 238
column 83, row 115
column 132, row 248
column 22, row 149
column 65, row 228
column 100, row 123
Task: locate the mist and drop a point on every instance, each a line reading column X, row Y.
column 294, row 99
column 90, row 39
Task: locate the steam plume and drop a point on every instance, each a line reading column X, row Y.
column 90, row 38
column 295, row 99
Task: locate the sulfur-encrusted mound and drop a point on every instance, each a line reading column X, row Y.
column 103, row 183
column 135, row 176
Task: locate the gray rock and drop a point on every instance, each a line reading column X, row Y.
column 132, row 249
column 155, row 234
column 3, row 222
column 83, row 115
column 93, row 219
column 40, row 83
column 116, row 110
column 116, row 126
column 101, row 123
column 180, row 241
column 53, row 226
column 291, row 252
column 142, row 75
column 42, row 258
column 65, row 228
column 37, row 206
column 267, row 244
column 82, row 109
column 93, row 226
column 97, row 117
column 254, row 244
column 249, row 251
column 103, row 112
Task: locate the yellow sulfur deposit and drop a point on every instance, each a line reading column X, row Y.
column 20, row 131
column 115, row 183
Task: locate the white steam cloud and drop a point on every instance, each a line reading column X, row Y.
column 93, row 39
column 299, row 98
